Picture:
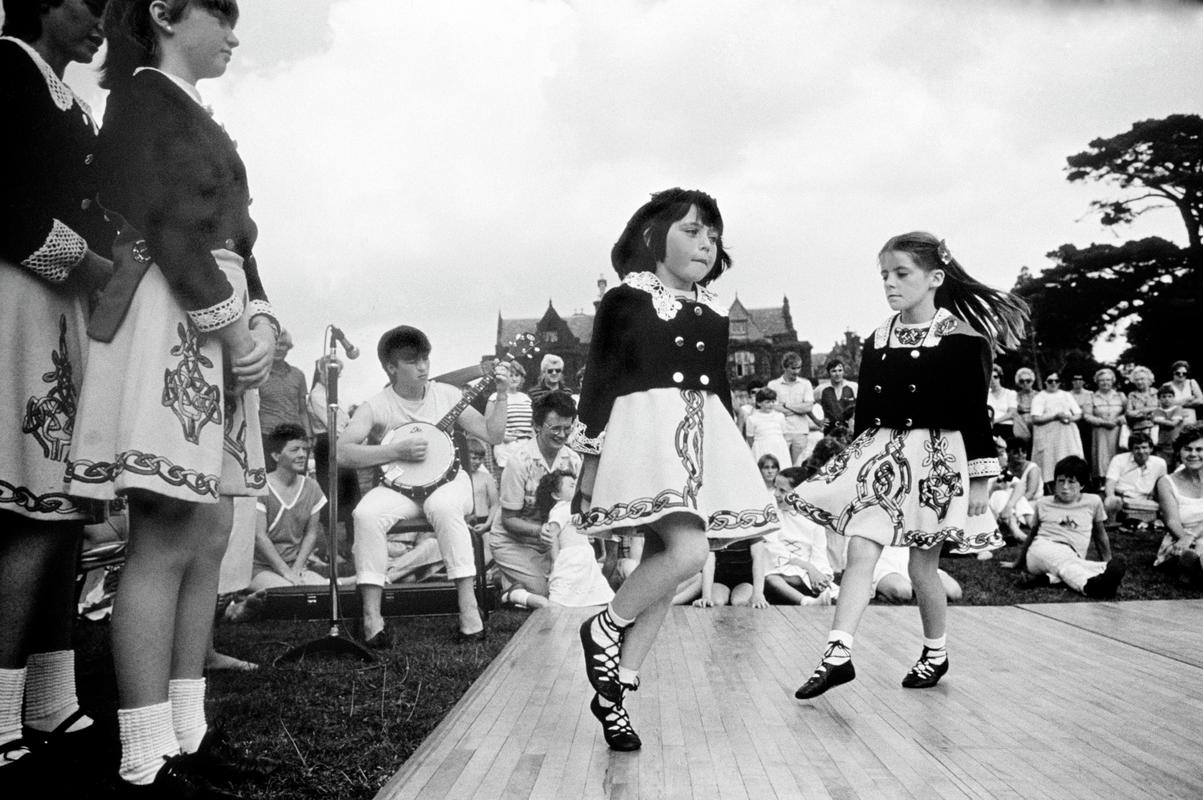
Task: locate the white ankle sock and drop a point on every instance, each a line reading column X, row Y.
column 518, row 596
column 12, row 692
column 839, row 656
column 936, row 651
column 146, row 739
column 630, row 677
column 617, row 620
column 50, row 691
column 187, row 697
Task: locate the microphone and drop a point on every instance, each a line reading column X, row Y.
column 351, row 350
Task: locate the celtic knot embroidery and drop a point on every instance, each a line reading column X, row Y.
column 51, row 419
column 688, row 442
column 235, row 445
column 141, row 463
column 943, row 482
column 194, row 401
column 49, row 503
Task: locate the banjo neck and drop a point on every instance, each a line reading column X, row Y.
column 469, row 394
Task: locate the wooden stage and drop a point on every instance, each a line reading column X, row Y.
column 1077, row 700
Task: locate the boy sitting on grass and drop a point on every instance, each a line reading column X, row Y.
column 1063, row 527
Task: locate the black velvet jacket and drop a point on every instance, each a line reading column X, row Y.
column 174, row 174
column 644, row 338
column 46, row 164
column 940, row 383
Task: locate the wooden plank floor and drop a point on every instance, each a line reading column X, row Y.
column 1075, row 700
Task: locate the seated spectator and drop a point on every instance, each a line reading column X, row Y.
column 892, row 581
column 1180, row 496
column 522, row 555
column 797, row 571
column 1065, row 525
column 825, row 449
column 1167, row 420
column 287, row 519
column 731, row 576
column 576, row 579
column 1131, row 481
column 1017, row 486
column 769, row 468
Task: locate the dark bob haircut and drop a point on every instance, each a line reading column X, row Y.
column 1073, row 467
column 559, row 402
column 282, row 434
column 549, row 484
column 402, row 337
column 642, row 243
column 23, row 18
column 133, row 41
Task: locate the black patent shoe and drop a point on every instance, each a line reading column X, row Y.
column 925, row 674
column 826, row 676
column 172, row 782
column 601, row 662
column 19, row 773
column 218, row 762
column 616, row 725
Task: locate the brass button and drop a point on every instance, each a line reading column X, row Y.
column 877, row 420
column 229, row 244
column 908, row 422
column 877, row 389
column 697, row 311
column 678, row 377
column 89, row 158
column 914, row 354
column 85, row 204
column 704, row 380
column 679, row 341
column 911, row 388
column 701, row 346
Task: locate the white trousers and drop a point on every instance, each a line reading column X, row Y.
column 446, row 510
column 1060, row 563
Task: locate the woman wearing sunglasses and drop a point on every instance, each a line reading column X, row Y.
column 1054, row 432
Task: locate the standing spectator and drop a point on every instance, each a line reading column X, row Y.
column 1082, row 396
column 284, row 398
column 551, row 378
column 1106, row 416
column 1180, row 496
column 838, row 400
column 1025, row 392
column 1142, row 400
column 795, row 398
column 745, row 402
column 517, row 415
column 766, row 429
column 1004, row 405
column 51, row 235
column 1131, row 480
column 1054, row 434
column 1167, row 420
column 1186, row 391
column 519, row 549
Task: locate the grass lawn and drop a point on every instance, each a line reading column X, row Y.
column 341, row 728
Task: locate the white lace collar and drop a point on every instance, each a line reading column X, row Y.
column 60, row 92
column 943, row 323
column 666, row 303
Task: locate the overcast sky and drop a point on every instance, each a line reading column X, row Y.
column 437, row 162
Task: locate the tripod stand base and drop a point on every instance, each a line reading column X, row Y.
column 333, row 643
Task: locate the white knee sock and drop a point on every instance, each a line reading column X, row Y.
column 12, row 692
column 50, row 691
column 187, row 696
column 146, row 739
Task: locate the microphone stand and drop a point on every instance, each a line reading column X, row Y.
column 334, row 642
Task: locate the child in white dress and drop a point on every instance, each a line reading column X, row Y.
column 765, row 428
column 576, row 578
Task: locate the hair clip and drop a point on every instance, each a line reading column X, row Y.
column 943, row 254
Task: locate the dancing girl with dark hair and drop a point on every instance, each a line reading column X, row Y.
column 661, row 450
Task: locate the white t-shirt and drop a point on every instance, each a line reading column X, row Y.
column 1132, row 480
column 794, row 394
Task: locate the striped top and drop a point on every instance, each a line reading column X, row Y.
column 517, row 415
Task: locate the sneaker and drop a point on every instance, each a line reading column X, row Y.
column 1104, row 585
column 925, row 674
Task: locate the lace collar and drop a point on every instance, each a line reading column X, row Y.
column 60, row 92
column 891, row 334
column 664, row 301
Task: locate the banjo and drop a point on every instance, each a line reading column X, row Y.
column 419, row 479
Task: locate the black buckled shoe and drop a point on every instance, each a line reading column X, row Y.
column 616, row 725
column 218, row 762
column 601, row 661
column 826, row 675
column 925, row 674
column 173, row 782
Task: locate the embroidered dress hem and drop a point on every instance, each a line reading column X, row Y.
column 677, row 451
column 899, row 487
column 154, row 412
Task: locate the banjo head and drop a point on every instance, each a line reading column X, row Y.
column 440, row 457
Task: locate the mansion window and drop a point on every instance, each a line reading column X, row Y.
column 745, row 362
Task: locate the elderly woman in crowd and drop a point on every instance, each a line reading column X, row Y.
column 1105, row 416
column 1142, row 402
column 1025, row 392
column 1054, row 434
column 1186, row 391
column 1180, row 496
